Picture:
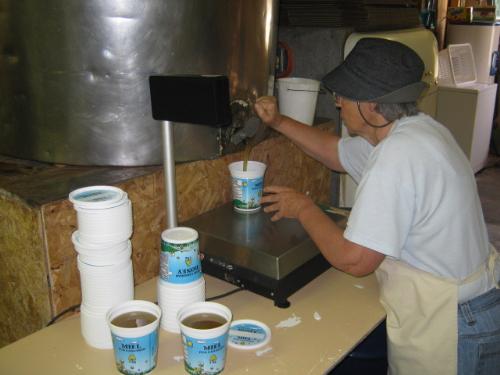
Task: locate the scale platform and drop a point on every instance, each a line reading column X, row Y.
column 273, row 259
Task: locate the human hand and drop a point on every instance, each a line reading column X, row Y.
column 285, row 202
column 266, row 108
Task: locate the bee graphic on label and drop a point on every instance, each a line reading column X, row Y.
column 188, row 261
column 189, row 343
column 120, row 366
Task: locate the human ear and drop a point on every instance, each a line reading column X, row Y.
column 372, row 107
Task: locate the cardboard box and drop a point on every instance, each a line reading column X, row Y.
column 484, row 14
column 471, row 3
column 459, row 14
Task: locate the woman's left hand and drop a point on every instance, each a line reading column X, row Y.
column 285, row 202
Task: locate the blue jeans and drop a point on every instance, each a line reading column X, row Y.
column 479, row 335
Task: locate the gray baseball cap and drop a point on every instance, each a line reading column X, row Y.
column 378, row 70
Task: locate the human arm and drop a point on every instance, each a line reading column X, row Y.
column 317, row 143
column 341, row 253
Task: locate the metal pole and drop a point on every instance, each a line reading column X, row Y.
column 169, row 174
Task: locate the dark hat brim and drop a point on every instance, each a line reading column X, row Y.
column 344, row 82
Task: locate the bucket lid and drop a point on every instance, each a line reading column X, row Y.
column 97, row 197
column 248, row 334
column 179, row 235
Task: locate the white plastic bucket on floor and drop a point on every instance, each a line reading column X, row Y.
column 297, row 98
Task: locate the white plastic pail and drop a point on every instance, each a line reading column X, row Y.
column 135, row 348
column 297, row 98
column 173, row 297
column 179, row 256
column 94, row 328
column 205, row 347
column 247, row 185
column 104, row 214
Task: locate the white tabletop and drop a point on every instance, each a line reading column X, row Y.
column 327, row 318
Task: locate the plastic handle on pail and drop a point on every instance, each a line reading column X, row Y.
column 289, row 89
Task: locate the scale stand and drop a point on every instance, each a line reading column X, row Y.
column 169, row 173
column 194, row 99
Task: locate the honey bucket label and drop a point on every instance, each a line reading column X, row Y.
column 247, row 193
column 180, row 263
column 204, row 356
column 136, row 355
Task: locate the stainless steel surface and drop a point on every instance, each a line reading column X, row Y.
column 169, row 174
column 253, row 241
column 74, row 87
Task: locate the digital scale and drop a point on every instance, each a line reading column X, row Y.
column 273, row 259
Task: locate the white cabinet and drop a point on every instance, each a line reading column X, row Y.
column 467, row 111
column 484, row 42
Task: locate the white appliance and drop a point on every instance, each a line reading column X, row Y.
column 484, row 42
column 424, row 43
column 467, row 111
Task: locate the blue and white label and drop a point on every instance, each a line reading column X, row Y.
column 204, row 356
column 180, row 263
column 97, row 196
column 247, row 334
column 136, row 355
column 247, row 193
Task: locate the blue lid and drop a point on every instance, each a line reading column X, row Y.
column 97, row 197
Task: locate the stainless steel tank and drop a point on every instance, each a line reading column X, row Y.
column 74, row 73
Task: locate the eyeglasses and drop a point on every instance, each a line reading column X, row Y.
column 337, row 99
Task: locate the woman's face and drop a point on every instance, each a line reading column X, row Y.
column 349, row 114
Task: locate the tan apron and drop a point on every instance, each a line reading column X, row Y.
column 422, row 333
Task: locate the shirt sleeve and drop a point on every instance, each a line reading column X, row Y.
column 353, row 155
column 384, row 205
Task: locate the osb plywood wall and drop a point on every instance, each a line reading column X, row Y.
column 24, row 292
column 201, row 186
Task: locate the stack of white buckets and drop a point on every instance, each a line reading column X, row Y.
column 181, row 281
column 104, row 217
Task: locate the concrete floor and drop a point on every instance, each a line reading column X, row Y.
column 488, row 183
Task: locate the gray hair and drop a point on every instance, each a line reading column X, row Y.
column 395, row 111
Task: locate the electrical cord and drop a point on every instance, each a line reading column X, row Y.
column 65, row 311
column 225, row 294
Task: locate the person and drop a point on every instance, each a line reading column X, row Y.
column 416, row 219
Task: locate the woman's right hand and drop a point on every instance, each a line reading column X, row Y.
column 266, row 108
